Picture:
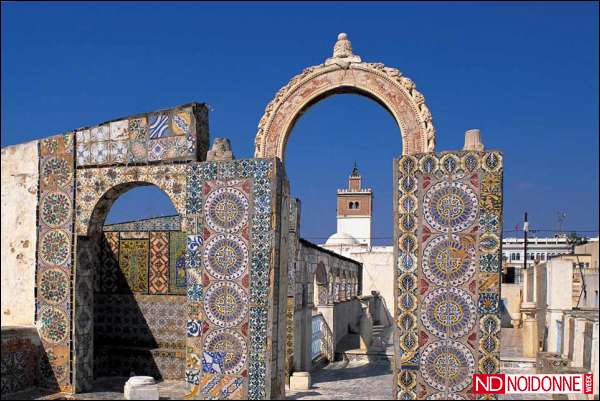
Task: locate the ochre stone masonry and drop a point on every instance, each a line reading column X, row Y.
column 448, row 239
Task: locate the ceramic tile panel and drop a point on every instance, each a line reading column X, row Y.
column 140, row 333
column 20, row 359
column 231, row 264
column 449, row 212
column 176, row 134
column 55, row 258
column 177, row 252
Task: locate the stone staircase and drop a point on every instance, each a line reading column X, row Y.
column 379, row 352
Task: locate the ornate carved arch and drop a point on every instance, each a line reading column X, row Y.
column 346, row 73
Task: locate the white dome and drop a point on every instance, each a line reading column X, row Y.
column 341, row 239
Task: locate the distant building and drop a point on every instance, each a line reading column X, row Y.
column 353, row 239
column 538, row 250
column 355, row 209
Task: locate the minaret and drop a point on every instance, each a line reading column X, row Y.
column 355, row 209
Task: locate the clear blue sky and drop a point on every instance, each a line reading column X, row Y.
column 526, row 74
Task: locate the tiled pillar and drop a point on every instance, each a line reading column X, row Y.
column 448, row 239
column 250, row 191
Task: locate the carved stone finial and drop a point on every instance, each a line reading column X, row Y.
column 221, row 150
column 343, row 47
column 342, row 52
column 473, row 140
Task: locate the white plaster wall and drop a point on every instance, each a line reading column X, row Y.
column 559, row 287
column 591, row 298
column 512, row 294
column 19, row 232
column 378, row 273
column 356, row 226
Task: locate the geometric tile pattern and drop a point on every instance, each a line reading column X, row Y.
column 141, row 264
column 110, row 158
column 155, row 321
column 176, row 134
column 449, row 212
column 152, row 341
column 232, row 228
column 54, row 257
column 158, row 279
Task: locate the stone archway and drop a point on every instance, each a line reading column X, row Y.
column 346, row 73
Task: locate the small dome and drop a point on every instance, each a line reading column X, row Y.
column 342, row 239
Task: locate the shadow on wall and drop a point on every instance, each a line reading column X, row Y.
column 139, row 312
column 505, row 319
column 24, row 362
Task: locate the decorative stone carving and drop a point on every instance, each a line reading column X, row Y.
column 221, row 150
column 342, row 53
column 341, row 73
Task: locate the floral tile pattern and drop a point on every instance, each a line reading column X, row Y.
column 232, row 204
column 447, row 272
column 54, row 257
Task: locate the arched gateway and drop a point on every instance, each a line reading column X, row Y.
column 447, row 242
column 346, row 73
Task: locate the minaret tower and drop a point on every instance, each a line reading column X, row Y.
column 355, row 209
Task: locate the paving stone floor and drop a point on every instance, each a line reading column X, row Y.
column 349, row 381
column 107, row 388
column 338, row 381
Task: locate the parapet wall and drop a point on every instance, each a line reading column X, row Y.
column 19, row 232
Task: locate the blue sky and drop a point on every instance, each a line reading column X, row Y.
column 526, row 74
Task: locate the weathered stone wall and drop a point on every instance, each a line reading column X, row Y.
column 19, row 232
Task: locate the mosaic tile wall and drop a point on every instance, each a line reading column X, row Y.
column 448, row 246
column 139, row 321
column 54, row 259
column 233, row 268
column 142, row 262
column 73, row 202
column 20, row 359
column 167, row 135
column 140, row 333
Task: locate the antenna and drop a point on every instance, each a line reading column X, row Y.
column 562, row 216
